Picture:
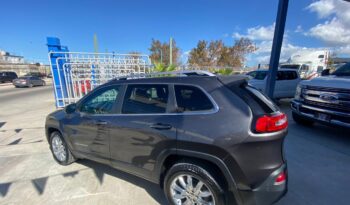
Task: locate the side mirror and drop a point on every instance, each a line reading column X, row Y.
column 325, row 72
column 71, row 108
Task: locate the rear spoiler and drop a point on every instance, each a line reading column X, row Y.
column 234, row 80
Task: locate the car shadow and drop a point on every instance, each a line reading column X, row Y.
column 152, row 189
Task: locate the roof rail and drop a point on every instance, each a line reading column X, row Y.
column 182, row 73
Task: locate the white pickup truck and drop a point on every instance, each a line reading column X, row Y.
column 324, row 99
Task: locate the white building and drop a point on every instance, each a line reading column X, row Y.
column 7, row 58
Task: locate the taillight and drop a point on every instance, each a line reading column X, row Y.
column 281, row 178
column 271, row 123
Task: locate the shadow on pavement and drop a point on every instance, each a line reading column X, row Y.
column 152, row 189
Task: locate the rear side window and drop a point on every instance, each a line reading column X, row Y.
column 190, row 98
column 258, row 75
column 145, row 99
column 287, row 75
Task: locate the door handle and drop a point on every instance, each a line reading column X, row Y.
column 161, row 126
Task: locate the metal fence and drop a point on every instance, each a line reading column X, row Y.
column 78, row 73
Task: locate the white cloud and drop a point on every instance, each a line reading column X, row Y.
column 323, row 8
column 335, row 30
column 258, row 33
column 299, row 29
column 332, row 32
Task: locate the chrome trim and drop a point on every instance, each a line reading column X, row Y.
column 326, row 111
column 332, row 121
column 213, row 111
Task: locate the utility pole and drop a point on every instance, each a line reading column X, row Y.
column 95, row 43
column 276, row 47
column 171, row 51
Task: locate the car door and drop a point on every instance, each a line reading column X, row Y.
column 286, row 84
column 143, row 129
column 88, row 128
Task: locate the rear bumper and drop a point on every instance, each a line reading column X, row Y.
column 309, row 112
column 268, row 192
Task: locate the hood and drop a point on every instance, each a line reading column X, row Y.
column 331, row 81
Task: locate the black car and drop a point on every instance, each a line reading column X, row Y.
column 205, row 140
column 28, row 81
column 7, row 76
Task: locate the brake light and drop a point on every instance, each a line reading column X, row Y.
column 281, row 178
column 271, row 123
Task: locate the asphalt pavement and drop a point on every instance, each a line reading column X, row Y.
column 318, row 162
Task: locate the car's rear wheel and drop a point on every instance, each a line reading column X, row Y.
column 60, row 150
column 301, row 120
column 30, row 85
column 191, row 184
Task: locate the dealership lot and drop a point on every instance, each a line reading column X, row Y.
column 318, row 162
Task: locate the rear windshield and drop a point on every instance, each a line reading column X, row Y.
column 290, row 67
column 257, row 101
column 25, row 78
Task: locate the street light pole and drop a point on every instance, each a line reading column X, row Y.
column 171, row 52
column 276, row 47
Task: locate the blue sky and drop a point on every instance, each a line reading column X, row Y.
column 124, row 26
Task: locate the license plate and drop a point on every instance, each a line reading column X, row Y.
column 322, row 116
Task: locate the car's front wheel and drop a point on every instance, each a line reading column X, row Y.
column 60, row 150
column 190, row 184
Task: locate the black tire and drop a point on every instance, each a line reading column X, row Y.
column 69, row 159
column 302, row 121
column 199, row 172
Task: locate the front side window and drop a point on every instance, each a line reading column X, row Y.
column 102, row 102
column 190, row 98
column 145, row 99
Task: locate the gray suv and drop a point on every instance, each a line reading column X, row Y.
column 204, row 139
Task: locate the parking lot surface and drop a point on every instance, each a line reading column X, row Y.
column 318, row 162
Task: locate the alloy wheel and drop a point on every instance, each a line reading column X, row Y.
column 58, row 148
column 189, row 190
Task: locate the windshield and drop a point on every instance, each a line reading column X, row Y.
column 343, row 70
column 290, row 66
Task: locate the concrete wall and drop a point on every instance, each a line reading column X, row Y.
column 22, row 69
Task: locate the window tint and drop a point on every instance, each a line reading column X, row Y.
column 145, row 99
column 287, row 75
column 101, row 102
column 190, row 98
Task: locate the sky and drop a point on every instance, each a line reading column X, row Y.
column 125, row 26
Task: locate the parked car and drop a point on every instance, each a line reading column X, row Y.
column 286, row 82
column 324, row 99
column 7, row 76
column 49, row 75
column 28, row 81
column 205, row 140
